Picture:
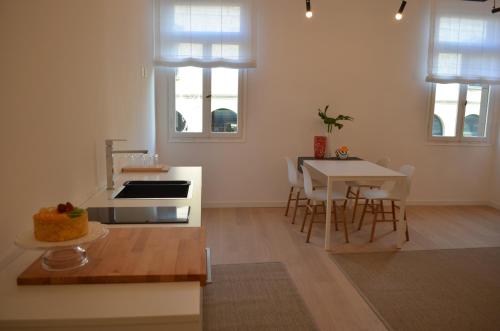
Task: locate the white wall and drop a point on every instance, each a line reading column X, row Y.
column 70, row 78
column 354, row 56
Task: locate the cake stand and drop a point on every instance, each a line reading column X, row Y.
column 65, row 255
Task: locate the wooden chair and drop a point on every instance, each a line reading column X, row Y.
column 296, row 182
column 296, row 186
column 317, row 197
column 376, row 198
column 354, row 188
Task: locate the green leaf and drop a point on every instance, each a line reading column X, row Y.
column 77, row 212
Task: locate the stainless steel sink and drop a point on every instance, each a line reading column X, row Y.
column 165, row 189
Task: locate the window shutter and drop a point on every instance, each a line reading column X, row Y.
column 464, row 43
column 205, row 33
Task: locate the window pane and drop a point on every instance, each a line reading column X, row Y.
column 207, row 18
column 189, row 100
column 476, row 111
column 224, row 101
column 437, row 126
column 446, row 110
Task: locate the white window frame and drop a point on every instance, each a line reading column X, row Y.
column 207, row 135
column 459, row 137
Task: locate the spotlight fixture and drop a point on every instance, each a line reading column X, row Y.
column 399, row 15
column 309, row 12
column 495, row 8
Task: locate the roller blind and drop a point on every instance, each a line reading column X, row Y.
column 205, row 33
column 464, row 43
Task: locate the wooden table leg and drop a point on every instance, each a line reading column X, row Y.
column 329, row 195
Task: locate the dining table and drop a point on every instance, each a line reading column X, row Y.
column 357, row 170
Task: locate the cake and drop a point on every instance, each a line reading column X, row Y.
column 60, row 224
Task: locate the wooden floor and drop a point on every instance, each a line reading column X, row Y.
column 248, row 235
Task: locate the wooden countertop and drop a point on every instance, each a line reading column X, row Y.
column 133, row 255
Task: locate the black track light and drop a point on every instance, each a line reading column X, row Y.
column 399, row 15
column 309, row 12
column 495, row 9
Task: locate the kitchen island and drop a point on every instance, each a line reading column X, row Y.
column 143, row 306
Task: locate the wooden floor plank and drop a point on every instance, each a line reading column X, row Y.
column 248, row 235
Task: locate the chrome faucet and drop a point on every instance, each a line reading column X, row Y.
column 109, row 160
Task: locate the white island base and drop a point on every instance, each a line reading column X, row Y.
column 103, row 307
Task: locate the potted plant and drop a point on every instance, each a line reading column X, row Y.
column 330, row 123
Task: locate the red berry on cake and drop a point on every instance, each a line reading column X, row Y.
column 69, row 207
column 61, row 208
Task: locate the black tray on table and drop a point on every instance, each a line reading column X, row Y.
column 301, row 160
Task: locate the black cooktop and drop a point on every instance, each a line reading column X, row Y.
column 140, row 215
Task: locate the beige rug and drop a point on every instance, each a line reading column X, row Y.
column 258, row 296
column 429, row 290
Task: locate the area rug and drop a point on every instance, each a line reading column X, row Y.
column 258, row 296
column 455, row 289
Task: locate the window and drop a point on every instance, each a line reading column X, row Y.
column 201, row 53
column 464, row 61
column 207, row 103
column 460, row 112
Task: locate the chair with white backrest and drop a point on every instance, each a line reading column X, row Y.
column 319, row 196
column 296, row 186
column 354, row 187
column 376, row 198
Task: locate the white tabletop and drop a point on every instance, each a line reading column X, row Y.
column 352, row 170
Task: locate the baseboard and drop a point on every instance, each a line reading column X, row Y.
column 448, row 203
column 280, row 204
column 244, row 204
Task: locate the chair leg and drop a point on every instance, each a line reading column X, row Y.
column 297, row 197
column 289, row 200
column 311, row 224
column 363, row 215
column 382, row 209
column 356, row 201
column 407, row 233
column 344, row 219
column 372, row 236
column 393, row 206
column 347, row 195
column 334, row 209
column 308, row 205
